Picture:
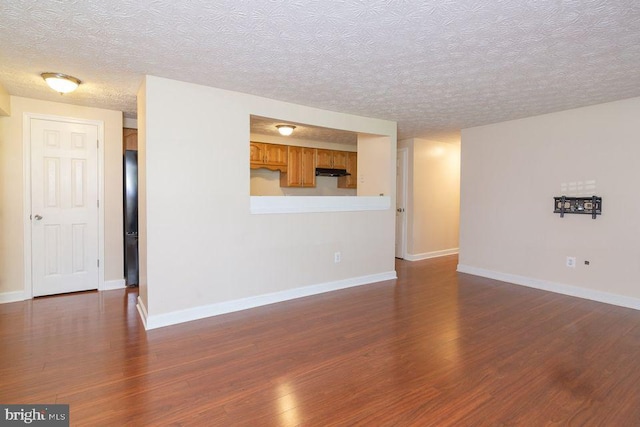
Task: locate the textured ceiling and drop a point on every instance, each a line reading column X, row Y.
column 433, row 66
column 266, row 126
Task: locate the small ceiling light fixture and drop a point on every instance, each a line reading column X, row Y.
column 285, row 130
column 61, row 82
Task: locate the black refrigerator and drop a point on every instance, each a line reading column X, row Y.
column 131, row 264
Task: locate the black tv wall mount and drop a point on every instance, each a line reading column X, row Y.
column 578, row 205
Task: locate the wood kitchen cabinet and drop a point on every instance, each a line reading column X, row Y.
column 350, row 181
column 130, row 139
column 332, row 159
column 270, row 156
column 301, row 168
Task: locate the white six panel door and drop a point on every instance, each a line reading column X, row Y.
column 401, row 217
column 64, row 207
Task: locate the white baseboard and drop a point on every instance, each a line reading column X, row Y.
column 434, row 254
column 22, row 295
column 142, row 310
column 109, row 285
column 175, row 317
column 12, row 296
column 559, row 288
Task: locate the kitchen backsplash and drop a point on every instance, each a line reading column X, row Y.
column 265, row 182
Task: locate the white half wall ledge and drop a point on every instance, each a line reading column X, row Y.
column 113, row 284
column 428, row 255
column 313, row 204
column 7, row 297
column 558, row 288
column 201, row 312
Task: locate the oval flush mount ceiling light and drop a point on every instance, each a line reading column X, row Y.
column 285, row 130
column 61, row 82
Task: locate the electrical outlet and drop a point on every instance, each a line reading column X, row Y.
column 571, row 262
column 337, row 257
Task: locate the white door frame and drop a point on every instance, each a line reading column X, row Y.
column 403, row 156
column 26, row 143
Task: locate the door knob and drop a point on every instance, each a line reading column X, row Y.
column 38, row 217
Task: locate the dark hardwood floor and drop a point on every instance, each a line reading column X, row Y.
column 434, row 347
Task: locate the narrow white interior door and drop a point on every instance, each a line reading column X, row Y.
column 64, row 207
column 401, row 195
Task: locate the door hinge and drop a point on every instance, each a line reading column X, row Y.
column 98, row 263
column 98, row 203
column 97, row 143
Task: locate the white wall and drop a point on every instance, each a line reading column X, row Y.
column 12, row 217
column 142, row 193
column 203, row 247
column 6, row 278
column 510, row 173
column 433, row 203
column 5, row 102
column 376, row 168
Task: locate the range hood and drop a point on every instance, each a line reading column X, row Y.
column 331, row 172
